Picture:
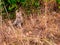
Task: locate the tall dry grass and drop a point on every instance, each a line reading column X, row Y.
column 32, row 32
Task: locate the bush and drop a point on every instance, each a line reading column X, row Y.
column 14, row 4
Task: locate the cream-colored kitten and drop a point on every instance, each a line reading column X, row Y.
column 19, row 19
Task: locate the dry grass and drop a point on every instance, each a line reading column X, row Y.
column 36, row 30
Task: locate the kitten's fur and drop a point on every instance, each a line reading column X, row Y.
column 19, row 19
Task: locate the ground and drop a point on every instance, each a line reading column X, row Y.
column 41, row 29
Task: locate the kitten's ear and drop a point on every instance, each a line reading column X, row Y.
column 16, row 11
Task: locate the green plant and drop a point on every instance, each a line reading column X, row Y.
column 12, row 5
column 58, row 2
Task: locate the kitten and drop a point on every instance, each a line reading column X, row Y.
column 19, row 19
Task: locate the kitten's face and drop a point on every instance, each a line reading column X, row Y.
column 18, row 14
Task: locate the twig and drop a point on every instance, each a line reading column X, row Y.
column 6, row 10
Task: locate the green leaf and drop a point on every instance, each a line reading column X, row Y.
column 58, row 1
column 12, row 1
column 18, row 0
column 9, row 1
column 36, row 4
column 22, row 0
column 12, row 7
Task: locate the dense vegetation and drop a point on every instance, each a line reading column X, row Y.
column 11, row 5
